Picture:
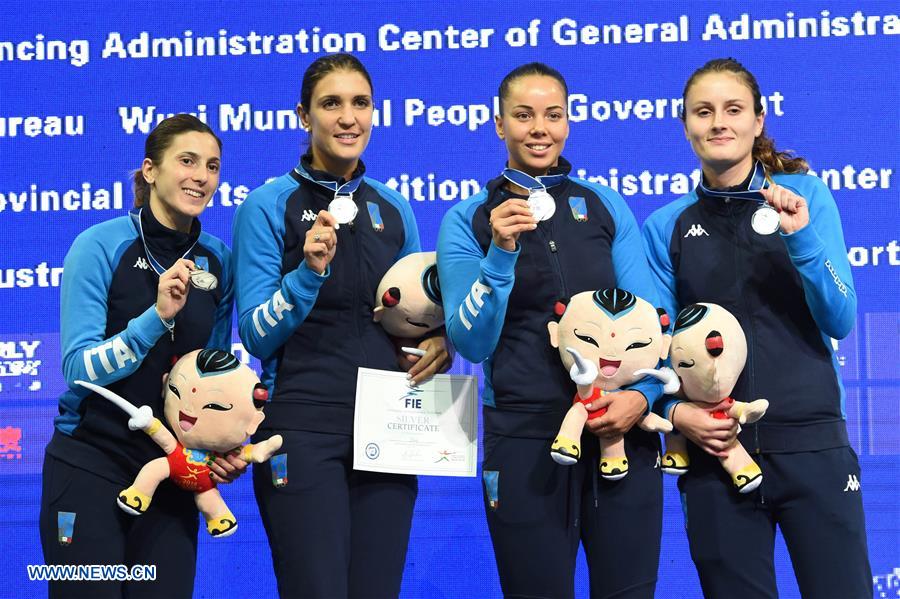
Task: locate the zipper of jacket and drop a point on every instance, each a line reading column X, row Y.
column 356, row 285
column 553, row 252
column 751, row 329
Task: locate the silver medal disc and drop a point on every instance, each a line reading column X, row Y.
column 765, row 220
column 542, row 204
column 204, row 280
column 343, row 209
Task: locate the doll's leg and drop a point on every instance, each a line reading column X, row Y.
column 745, row 473
column 136, row 499
column 748, row 412
column 676, row 461
column 566, row 448
column 613, row 462
column 655, row 424
column 258, row 453
column 220, row 522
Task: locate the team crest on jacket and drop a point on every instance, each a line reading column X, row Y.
column 375, row 216
column 201, row 262
column 579, row 209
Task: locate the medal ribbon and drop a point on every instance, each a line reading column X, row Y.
column 347, row 189
column 150, row 258
column 757, row 182
column 530, row 183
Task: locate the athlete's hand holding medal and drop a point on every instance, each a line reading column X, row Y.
column 793, row 211
column 321, row 242
column 509, row 220
column 172, row 291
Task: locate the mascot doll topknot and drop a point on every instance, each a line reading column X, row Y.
column 709, row 351
column 606, row 339
column 213, row 403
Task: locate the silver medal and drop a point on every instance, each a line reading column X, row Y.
column 541, row 203
column 343, row 208
column 204, row 280
column 765, row 220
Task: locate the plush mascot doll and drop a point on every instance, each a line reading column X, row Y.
column 213, row 403
column 709, row 351
column 408, row 299
column 606, row 340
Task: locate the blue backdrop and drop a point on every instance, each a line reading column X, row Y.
column 81, row 84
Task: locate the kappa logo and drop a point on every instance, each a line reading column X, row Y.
column 696, row 231
column 142, row 264
column 852, row 483
column 308, row 215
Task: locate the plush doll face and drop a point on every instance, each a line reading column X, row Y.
column 708, row 352
column 408, row 300
column 616, row 330
column 209, row 401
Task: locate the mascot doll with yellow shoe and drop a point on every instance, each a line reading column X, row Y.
column 213, row 403
column 607, row 339
column 709, row 351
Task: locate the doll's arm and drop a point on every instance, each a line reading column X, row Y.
column 140, row 418
column 671, row 384
column 583, row 373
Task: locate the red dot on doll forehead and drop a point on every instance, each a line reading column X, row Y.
column 193, row 389
column 612, row 334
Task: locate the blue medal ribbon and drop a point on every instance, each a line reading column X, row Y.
column 758, row 181
column 530, row 183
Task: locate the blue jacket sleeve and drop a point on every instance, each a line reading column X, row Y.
column 632, row 273
column 87, row 354
column 820, row 256
column 220, row 338
column 656, row 236
column 475, row 287
column 411, row 243
column 270, row 307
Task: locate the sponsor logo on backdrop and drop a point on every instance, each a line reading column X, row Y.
column 19, row 365
column 887, row 585
column 10, row 443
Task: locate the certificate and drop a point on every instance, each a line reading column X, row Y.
column 430, row 429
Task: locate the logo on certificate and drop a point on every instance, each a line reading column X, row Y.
column 412, row 399
column 444, row 456
column 372, row 451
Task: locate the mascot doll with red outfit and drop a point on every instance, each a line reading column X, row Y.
column 709, row 351
column 607, row 340
column 213, row 403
